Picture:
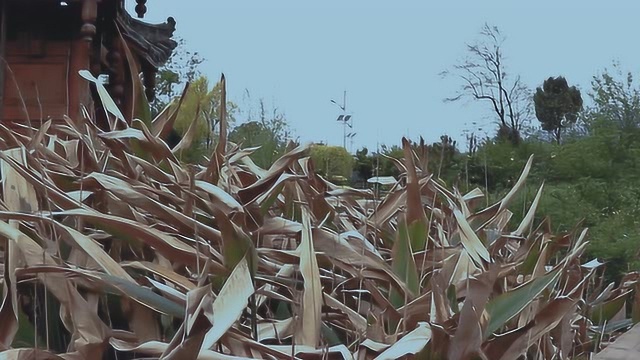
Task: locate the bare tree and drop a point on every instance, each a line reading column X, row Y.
column 485, row 79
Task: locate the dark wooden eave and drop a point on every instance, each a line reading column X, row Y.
column 151, row 42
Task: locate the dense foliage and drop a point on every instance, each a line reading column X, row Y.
column 591, row 178
column 332, row 161
column 269, row 133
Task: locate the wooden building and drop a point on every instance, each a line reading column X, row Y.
column 44, row 43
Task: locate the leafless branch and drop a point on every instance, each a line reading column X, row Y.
column 484, row 78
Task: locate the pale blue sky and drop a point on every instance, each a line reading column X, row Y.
column 388, row 54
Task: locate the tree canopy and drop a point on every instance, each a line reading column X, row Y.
column 332, row 162
column 201, row 105
column 270, row 133
column 183, row 67
column 557, row 105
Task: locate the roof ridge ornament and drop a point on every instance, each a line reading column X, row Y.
column 141, row 8
column 152, row 42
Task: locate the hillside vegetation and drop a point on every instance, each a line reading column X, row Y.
column 114, row 248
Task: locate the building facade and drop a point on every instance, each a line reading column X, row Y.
column 45, row 43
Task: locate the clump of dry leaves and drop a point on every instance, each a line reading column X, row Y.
column 114, row 249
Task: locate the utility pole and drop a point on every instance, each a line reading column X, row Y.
column 345, row 120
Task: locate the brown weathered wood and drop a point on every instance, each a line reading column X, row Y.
column 117, row 71
column 149, row 76
column 151, row 42
column 89, row 16
column 79, row 91
column 48, row 44
column 36, row 87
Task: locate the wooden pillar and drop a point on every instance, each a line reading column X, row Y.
column 117, row 79
column 89, row 16
column 80, row 59
column 79, row 91
column 149, row 77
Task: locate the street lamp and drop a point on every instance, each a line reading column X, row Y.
column 345, row 120
column 350, row 136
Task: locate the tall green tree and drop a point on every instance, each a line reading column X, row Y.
column 385, row 166
column 557, row 105
column 270, row 132
column 616, row 98
column 332, row 162
column 364, row 165
column 202, row 104
column 183, row 66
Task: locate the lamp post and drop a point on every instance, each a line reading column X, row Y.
column 350, row 136
column 344, row 118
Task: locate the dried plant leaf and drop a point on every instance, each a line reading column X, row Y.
column 476, row 249
column 412, row 343
column 229, row 304
column 528, row 219
column 311, row 319
column 108, row 103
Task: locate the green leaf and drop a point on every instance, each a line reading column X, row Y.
column 453, row 298
column 607, row 310
column 505, row 306
column 529, row 263
column 404, row 264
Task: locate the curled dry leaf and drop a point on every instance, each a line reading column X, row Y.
column 412, row 343
column 312, row 296
column 229, row 304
